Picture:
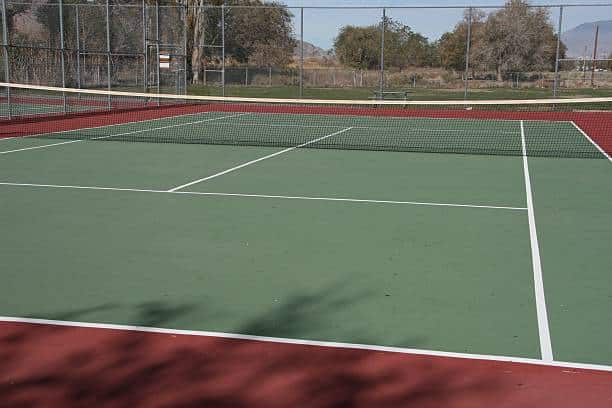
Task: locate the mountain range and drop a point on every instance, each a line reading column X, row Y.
column 583, row 36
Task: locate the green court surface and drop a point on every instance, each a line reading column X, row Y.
column 19, row 109
column 429, row 251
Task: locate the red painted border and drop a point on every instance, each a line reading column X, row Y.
column 44, row 365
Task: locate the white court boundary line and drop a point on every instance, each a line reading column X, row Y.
column 300, row 342
column 109, row 125
column 39, row 147
column 308, row 198
column 407, row 129
column 591, row 140
column 124, row 133
column 540, row 298
column 269, row 156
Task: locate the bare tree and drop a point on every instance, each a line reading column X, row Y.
column 197, row 24
column 517, row 38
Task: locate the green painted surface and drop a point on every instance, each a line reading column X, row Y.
column 120, row 164
column 370, row 133
column 452, row 279
column 442, row 178
column 573, row 204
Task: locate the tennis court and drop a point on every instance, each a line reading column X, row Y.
column 481, row 235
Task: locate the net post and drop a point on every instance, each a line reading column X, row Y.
column 108, row 51
column 60, row 6
column 145, row 50
column 78, row 45
column 223, row 49
column 301, row 94
column 557, row 55
column 382, row 53
column 7, row 77
column 467, row 54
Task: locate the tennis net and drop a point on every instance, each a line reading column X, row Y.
column 573, row 128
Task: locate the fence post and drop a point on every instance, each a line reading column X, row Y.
column 556, row 79
column 467, row 54
column 594, row 60
column 7, row 77
column 145, row 48
column 223, row 49
column 62, row 52
column 78, row 46
column 301, row 52
column 382, row 53
column 186, row 13
column 157, row 40
column 108, row 51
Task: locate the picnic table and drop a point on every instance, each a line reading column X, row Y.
column 392, row 95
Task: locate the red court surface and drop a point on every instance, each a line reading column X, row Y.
column 51, row 365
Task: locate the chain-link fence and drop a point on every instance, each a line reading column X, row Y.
column 270, row 50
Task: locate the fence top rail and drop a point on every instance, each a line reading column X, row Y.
column 356, row 7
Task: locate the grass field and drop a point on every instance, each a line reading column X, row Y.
column 417, row 93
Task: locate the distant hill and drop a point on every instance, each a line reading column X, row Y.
column 311, row 51
column 584, row 35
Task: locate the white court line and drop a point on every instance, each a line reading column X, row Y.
column 112, row 124
column 592, row 141
column 540, row 298
column 197, row 193
column 124, row 133
column 383, row 128
column 300, row 342
column 39, row 147
column 170, row 126
column 191, row 183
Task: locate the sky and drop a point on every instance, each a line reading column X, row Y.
column 322, row 25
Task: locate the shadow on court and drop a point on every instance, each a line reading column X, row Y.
column 55, row 365
column 44, row 365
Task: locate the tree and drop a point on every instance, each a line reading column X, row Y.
column 261, row 36
column 258, row 36
column 404, row 47
column 452, row 45
column 359, row 47
column 517, row 38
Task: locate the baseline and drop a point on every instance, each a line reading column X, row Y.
column 316, row 343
